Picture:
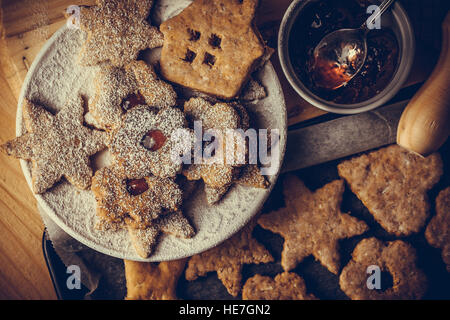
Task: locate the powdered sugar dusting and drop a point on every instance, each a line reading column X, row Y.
column 56, row 77
column 115, row 85
column 62, row 77
column 128, row 149
column 117, row 31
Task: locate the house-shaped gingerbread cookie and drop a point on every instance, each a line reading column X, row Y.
column 212, row 46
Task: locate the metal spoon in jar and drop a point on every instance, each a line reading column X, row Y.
column 341, row 54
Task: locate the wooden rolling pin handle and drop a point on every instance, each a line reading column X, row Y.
column 425, row 123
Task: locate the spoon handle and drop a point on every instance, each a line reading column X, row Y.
column 425, row 123
column 383, row 7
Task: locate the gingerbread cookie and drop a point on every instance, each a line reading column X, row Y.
column 249, row 176
column 312, row 223
column 285, row 286
column 173, row 223
column 116, row 31
column 120, row 89
column 396, row 257
column 219, row 117
column 213, row 195
column 188, row 186
column 214, row 175
column 146, row 142
column 228, row 258
column 212, row 46
column 252, row 91
column 138, row 200
column 153, row 281
column 438, row 230
column 57, row 145
column 393, row 183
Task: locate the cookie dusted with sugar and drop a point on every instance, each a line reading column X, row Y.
column 393, row 183
column 249, row 176
column 212, row 46
column 145, row 240
column 147, row 141
column 219, row 177
column 219, row 117
column 137, row 200
column 396, row 257
column 252, row 91
column 57, row 145
column 228, row 258
column 116, row 31
column 312, row 223
column 117, row 90
column 213, row 195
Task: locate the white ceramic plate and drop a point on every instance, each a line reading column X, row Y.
column 55, row 76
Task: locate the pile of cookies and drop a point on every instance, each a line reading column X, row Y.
column 391, row 182
column 137, row 116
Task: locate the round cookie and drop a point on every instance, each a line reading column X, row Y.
column 396, row 257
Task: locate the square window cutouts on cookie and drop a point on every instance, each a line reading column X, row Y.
column 194, row 35
column 190, row 56
column 209, row 59
column 215, row 41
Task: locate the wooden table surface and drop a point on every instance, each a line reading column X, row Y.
column 23, row 273
column 25, row 25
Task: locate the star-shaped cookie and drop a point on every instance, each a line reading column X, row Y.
column 119, row 89
column 249, row 176
column 137, row 199
column 148, row 141
column 312, row 223
column 285, row 286
column 393, row 183
column 438, row 230
column 58, row 145
column 153, row 281
column 117, row 31
column 228, row 258
column 145, row 240
column 220, row 117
